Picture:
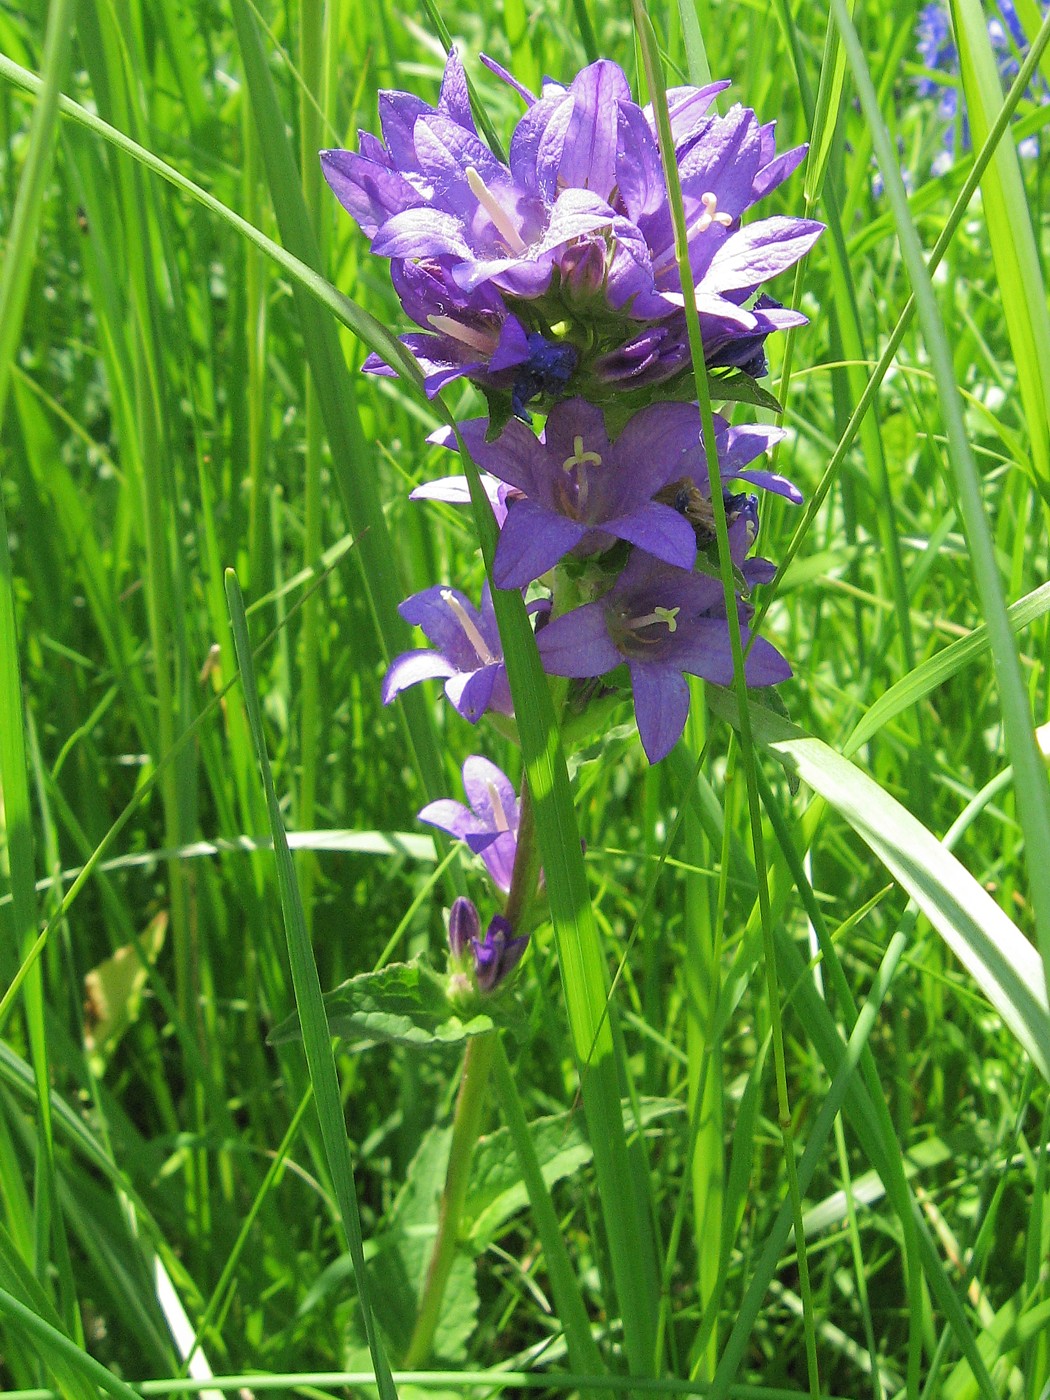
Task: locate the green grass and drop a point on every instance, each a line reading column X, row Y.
column 773, row 1119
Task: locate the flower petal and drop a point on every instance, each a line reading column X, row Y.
column 777, row 171
column 532, row 541
column 499, row 860
column 421, row 233
column 538, row 143
column 773, row 481
column 488, row 788
column 454, row 101
column 450, row 816
column 658, row 530
column 508, row 78
column 369, row 192
column 411, row 667
column 740, row 445
column 589, row 159
column 654, row 440
column 515, row 457
column 758, row 252
column 661, row 707
column 470, row 692
column 578, row 644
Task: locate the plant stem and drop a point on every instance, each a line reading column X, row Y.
column 466, row 1125
column 526, row 874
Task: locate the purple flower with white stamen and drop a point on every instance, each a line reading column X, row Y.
column 489, row 825
column 582, row 492
column 662, row 622
column 467, row 653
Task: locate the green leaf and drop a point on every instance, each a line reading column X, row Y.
column 940, row 668
column 113, row 993
column 308, row 1002
column 401, row 1004
column 739, row 387
column 399, row 1268
column 497, row 1191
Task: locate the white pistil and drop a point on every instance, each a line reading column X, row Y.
column 499, row 814
column 475, row 638
column 711, row 215
column 669, row 616
column 580, row 458
column 456, row 330
column 579, row 461
column 496, row 212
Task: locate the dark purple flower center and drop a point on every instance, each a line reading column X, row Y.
column 548, row 370
column 640, row 628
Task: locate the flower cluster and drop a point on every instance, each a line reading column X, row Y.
column 555, row 274
column 940, row 60
column 551, row 283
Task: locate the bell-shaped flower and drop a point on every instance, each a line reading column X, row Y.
column 662, row 622
column 467, row 653
column 489, row 825
column 581, row 492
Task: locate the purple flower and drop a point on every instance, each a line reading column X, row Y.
column 581, row 491
column 497, row 954
column 575, row 228
column 489, row 825
column 467, row 654
column 492, row 958
column 938, row 54
column 663, row 622
column 464, row 925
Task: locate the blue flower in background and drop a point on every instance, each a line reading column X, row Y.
column 938, row 54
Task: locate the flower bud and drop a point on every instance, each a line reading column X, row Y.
column 464, row 925
column 497, row 954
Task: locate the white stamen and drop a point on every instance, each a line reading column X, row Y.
column 499, row 814
column 475, row 638
column 495, row 211
column 711, row 215
column 477, row 340
column 658, row 614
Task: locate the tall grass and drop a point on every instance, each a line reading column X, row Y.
column 774, row 1117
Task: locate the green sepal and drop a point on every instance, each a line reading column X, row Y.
column 738, row 387
column 500, row 410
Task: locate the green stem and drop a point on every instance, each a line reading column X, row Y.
column 526, row 874
column 470, row 1103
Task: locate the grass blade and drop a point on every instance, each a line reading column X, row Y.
column 1033, row 791
column 317, row 1040
column 998, row 956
